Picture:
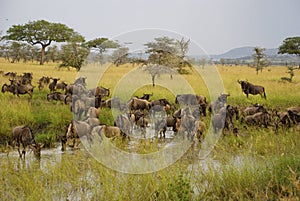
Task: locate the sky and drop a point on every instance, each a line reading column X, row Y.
column 215, row 26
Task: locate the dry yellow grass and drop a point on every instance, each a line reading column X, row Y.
column 279, row 93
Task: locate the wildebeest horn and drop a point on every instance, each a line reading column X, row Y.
column 239, row 81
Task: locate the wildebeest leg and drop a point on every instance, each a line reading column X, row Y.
column 20, row 154
column 24, row 152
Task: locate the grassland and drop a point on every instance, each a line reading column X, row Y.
column 259, row 164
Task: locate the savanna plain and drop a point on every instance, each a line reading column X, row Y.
column 257, row 163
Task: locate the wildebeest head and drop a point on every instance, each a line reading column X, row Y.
column 36, row 148
column 81, row 81
column 146, row 96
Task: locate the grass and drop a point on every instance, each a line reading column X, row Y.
column 259, row 164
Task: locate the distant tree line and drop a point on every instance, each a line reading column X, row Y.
column 45, row 41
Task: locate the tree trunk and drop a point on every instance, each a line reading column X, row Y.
column 153, row 80
column 43, row 54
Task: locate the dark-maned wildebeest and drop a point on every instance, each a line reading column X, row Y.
column 146, row 96
column 26, row 78
column 43, row 81
column 61, row 85
column 258, row 119
column 17, row 89
column 295, row 117
column 8, row 88
column 249, row 88
column 10, row 75
column 52, row 85
column 252, row 109
column 57, row 96
column 22, row 135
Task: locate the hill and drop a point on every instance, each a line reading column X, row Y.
column 242, row 52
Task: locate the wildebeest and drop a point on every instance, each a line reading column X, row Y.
column 260, row 118
column 93, row 112
column 45, row 80
column 289, row 116
column 138, row 104
column 99, row 91
column 80, row 81
column 294, row 114
column 78, row 107
column 218, row 120
column 249, row 88
column 76, row 130
column 114, row 103
column 216, row 106
column 162, row 124
column 22, row 135
column 61, row 85
column 17, row 89
column 57, row 96
column 92, row 122
column 52, row 85
column 200, row 129
column 252, row 109
column 187, row 123
column 10, row 74
column 124, row 122
column 107, row 131
column 142, row 123
column 146, row 96
column 186, row 99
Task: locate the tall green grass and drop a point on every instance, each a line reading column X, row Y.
column 269, row 169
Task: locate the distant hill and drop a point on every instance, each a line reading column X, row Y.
column 242, row 52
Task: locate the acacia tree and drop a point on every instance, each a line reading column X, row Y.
column 41, row 33
column 120, row 56
column 168, row 52
column 156, row 70
column 290, row 46
column 73, row 54
column 260, row 60
column 101, row 45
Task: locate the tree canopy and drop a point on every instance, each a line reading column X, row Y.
column 168, row 52
column 42, row 33
column 102, row 44
column 290, row 46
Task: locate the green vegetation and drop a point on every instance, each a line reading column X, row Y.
column 258, row 164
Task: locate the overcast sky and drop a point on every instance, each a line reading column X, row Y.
column 216, row 25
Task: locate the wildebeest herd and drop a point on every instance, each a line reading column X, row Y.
column 185, row 117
